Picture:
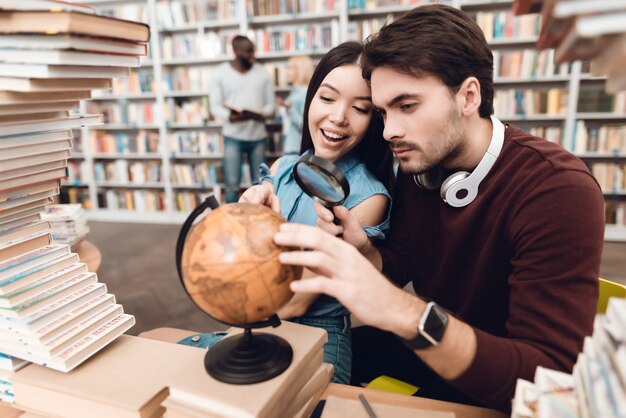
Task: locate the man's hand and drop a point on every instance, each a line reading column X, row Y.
column 349, row 228
column 254, row 115
column 346, row 275
column 261, row 195
column 238, row 116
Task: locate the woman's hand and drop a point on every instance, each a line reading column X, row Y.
column 261, row 194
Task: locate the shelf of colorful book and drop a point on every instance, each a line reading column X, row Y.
column 604, row 116
column 130, row 96
column 124, row 127
column 200, row 26
column 142, row 185
column 128, row 156
column 181, row 93
column 191, row 157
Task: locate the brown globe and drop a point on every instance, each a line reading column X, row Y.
column 230, row 264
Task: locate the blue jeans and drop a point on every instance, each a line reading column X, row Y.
column 233, row 159
column 338, row 349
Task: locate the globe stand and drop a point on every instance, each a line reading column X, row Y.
column 248, row 358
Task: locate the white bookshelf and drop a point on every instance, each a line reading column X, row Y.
column 346, row 18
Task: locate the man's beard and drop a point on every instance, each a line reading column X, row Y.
column 246, row 63
column 447, row 148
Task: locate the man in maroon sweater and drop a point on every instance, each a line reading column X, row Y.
column 513, row 274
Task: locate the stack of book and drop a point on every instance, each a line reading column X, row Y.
column 69, row 223
column 128, row 379
column 586, row 30
column 52, row 54
column 294, row 393
column 597, row 385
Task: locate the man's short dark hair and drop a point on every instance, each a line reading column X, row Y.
column 239, row 38
column 436, row 40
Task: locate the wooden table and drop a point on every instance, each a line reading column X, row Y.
column 333, row 389
column 90, row 255
column 352, row 392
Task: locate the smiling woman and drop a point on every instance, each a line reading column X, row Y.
column 343, row 128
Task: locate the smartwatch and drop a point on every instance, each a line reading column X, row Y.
column 431, row 328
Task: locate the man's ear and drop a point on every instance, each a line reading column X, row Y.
column 468, row 96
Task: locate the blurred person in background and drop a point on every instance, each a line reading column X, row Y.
column 242, row 96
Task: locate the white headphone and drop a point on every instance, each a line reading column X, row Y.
column 461, row 188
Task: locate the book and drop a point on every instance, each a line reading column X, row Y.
column 24, row 291
column 60, row 57
column 73, row 121
column 74, row 41
column 20, row 109
column 64, row 212
column 13, row 97
column 29, row 190
column 61, row 71
column 32, row 139
column 29, row 117
column 23, row 209
column 336, row 407
column 52, row 5
column 305, row 400
column 559, row 17
column 53, row 84
column 33, row 168
column 74, row 22
column 16, row 183
column 34, row 149
column 57, row 292
column 33, row 164
column 615, row 81
column 55, row 310
column 41, row 353
column 22, row 247
column 256, row 114
column 54, row 328
column 577, row 45
column 31, row 272
column 16, row 234
column 6, row 225
column 16, row 203
column 521, row 7
column 10, row 363
column 129, row 378
column 195, row 388
column 611, row 56
column 312, row 375
column 91, row 344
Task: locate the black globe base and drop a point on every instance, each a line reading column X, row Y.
column 248, row 358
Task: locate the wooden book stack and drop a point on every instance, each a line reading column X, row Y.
column 193, row 393
column 52, row 54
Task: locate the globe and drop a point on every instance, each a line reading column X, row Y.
column 230, row 264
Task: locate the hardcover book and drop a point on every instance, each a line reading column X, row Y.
column 52, row 84
column 61, row 71
column 56, row 57
column 75, row 22
column 74, row 41
column 195, row 388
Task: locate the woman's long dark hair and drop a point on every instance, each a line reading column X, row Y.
column 376, row 153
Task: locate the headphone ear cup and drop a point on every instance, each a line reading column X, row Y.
column 431, row 179
column 457, row 191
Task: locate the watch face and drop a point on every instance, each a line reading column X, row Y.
column 431, row 328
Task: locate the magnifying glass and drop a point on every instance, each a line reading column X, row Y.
column 322, row 180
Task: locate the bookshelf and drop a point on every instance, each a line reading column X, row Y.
column 170, row 124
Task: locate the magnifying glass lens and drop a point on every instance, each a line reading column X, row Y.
column 316, row 182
